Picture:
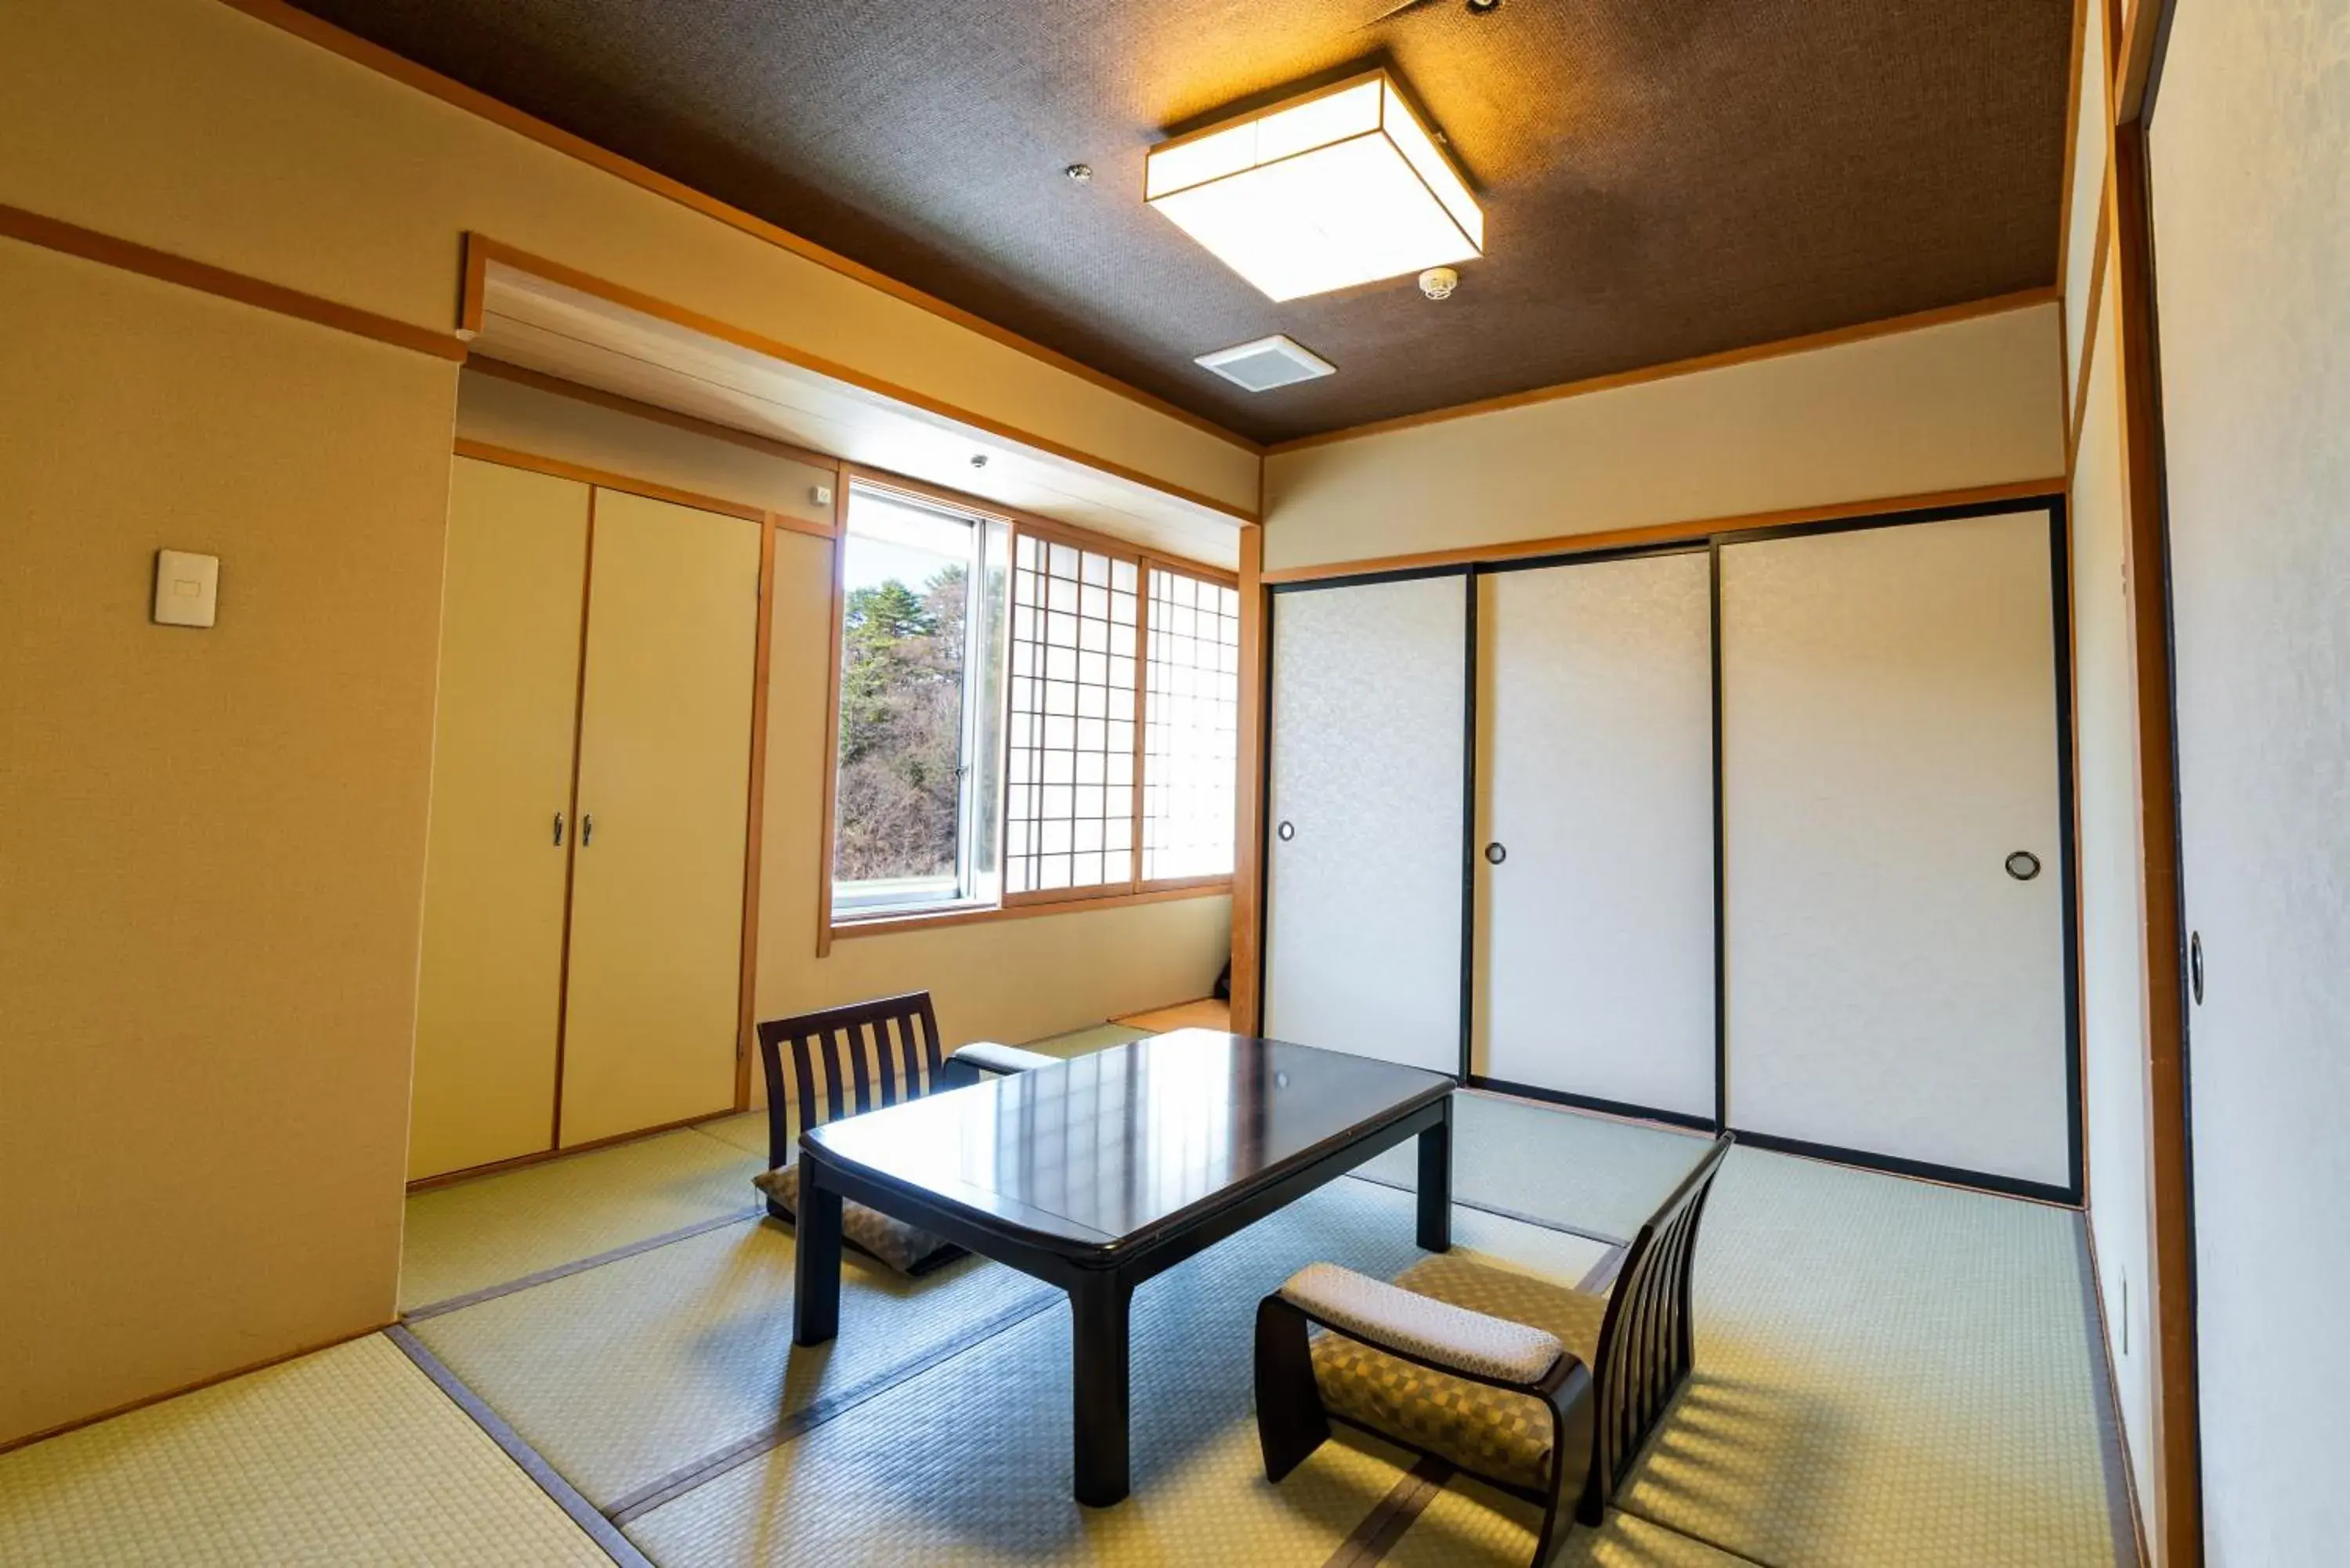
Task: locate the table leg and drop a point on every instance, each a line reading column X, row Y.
column 1099, row 1308
column 1436, row 1185
column 815, row 1282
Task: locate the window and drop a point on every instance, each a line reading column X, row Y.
column 1070, row 818
column 1025, row 716
column 921, row 685
column 1191, row 727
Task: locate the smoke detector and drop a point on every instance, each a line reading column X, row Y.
column 1438, row 282
column 1266, row 363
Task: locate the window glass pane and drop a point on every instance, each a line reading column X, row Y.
column 1077, row 725
column 1190, row 727
column 921, row 682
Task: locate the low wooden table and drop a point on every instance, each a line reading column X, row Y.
column 1095, row 1174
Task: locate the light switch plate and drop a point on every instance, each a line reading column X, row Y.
column 820, row 493
column 187, row 588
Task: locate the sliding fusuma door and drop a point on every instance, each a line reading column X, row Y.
column 1366, row 818
column 1594, row 952
column 1894, row 879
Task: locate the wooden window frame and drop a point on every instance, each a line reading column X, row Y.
column 1135, row 889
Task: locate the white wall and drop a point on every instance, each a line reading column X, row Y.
column 1939, row 408
column 2251, row 207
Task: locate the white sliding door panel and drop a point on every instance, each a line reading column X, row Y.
column 1369, row 712
column 1889, row 739
column 1594, row 772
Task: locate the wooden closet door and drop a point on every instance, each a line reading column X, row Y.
column 491, row 977
column 664, row 771
column 1594, row 775
column 1889, row 740
column 1367, row 803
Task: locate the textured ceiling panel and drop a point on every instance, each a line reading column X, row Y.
column 1661, row 178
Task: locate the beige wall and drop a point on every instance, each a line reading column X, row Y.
column 187, row 126
column 2251, row 155
column 1966, row 403
column 212, row 844
column 1007, row 980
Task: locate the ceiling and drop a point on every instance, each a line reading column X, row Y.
column 1660, row 178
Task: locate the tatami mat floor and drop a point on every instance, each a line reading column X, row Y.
column 1890, row 1374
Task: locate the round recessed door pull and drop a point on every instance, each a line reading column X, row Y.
column 1495, row 854
column 1286, row 832
column 2194, row 964
column 2023, row 865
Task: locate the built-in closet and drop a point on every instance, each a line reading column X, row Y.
column 583, row 899
column 1769, row 830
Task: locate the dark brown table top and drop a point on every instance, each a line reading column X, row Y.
column 1101, row 1151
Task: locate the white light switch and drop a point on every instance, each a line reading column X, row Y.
column 186, row 586
column 820, row 493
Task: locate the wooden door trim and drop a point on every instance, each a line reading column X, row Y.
column 756, row 818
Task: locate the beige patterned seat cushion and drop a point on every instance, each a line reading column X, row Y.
column 905, row 1248
column 1481, row 1429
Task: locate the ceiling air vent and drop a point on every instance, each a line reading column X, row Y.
column 1267, row 363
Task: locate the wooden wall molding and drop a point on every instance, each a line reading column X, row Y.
column 1861, row 332
column 603, row 478
column 1661, row 533
column 482, row 253
column 2079, row 390
column 126, row 255
column 1248, row 826
column 899, row 925
column 746, row 1001
column 2177, row 1516
column 383, row 62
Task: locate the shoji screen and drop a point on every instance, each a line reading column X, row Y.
column 1889, row 743
column 664, row 777
column 1594, row 967
column 1369, row 709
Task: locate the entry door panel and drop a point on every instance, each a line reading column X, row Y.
column 664, row 770
column 489, row 980
column 1595, row 950
column 1364, row 878
column 1888, row 740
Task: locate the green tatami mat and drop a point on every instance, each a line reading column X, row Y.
column 629, row 1375
column 350, row 1455
column 1890, row 1374
column 747, row 1132
column 1590, row 1172
column 495, row 1229
column 970, row 1462
column 1094, row 1037
column 1471, row 1523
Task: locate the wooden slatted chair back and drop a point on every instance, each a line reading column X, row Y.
column 837, row 1063
column 1645, row 1349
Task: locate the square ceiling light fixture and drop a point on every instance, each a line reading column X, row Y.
column 1342, row 186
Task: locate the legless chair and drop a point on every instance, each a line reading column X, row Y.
column 1547, row 1393
column 858, row 1058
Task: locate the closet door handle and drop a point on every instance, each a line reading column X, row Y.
column 586, row 830
column 1286, row 832
column 1495, row 854
column 558, row 830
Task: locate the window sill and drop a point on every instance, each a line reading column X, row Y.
column 887, row 924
